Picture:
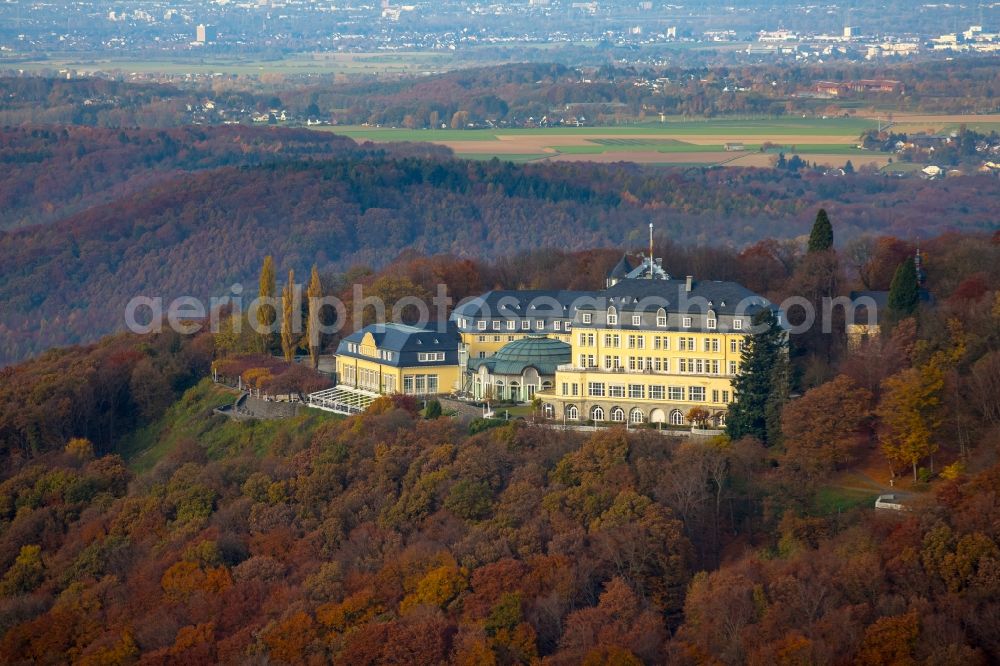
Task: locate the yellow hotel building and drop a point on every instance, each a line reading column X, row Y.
column 397, row 358
column 648, row 350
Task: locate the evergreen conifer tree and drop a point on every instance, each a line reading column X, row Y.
column 821, row 237
column 781, row 382
column 433, row 410
column 762, row 383
column 904, row 292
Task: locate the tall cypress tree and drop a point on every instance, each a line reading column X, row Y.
column 904, row 292
column 289, row 341
column 821, row 236
column 315, row 292
column 761, row 387
column 266, row 313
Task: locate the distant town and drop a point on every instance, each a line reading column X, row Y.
column 641, row 32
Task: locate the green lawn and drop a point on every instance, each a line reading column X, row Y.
column 191, row 418
column 833, row 499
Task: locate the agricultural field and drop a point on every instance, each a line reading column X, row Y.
column 830, row 141
column 681, row 142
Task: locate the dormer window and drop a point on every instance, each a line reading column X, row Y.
column 612, row 316
column 661, row 318
column 686, row 322
column 587, row 317
column 636, row 320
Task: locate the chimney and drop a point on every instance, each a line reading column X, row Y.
column 687, row 283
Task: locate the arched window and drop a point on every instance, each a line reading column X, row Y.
column 636, row 416
column 548, row 410
column 676, row 418
column 612, row 316
column 618, row 414
column 572, row 413
column 661, row 318
column 720, row 418
column 597, row 413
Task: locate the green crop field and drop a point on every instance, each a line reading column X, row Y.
column 675, row 141
column 724, row 129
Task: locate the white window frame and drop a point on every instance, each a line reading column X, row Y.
column 686, row 322
column 586, row 317
column 636, row 320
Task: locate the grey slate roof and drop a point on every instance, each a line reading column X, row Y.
column 722, row 297
column 506, row 304
column 406, row 342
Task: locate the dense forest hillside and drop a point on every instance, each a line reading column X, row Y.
column 197, row 234
column 139, row 526
column 388, row 538
column 52, row 172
